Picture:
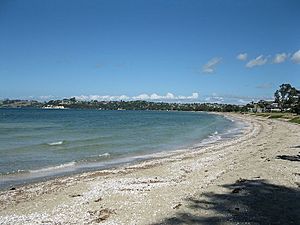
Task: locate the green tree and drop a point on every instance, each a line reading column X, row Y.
column 286, row 97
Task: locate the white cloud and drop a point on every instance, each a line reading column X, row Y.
column 280, row 58
column 214, row 98
column 151, row 97
column 296, row 57
column 168, row 96
column 258, row 61
column 46, row 97
column 242, row 101
column 232, row 99
column 242, row 56
column 210, row 66
column 102, row 97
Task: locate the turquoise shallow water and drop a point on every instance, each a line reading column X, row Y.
column 36, row 143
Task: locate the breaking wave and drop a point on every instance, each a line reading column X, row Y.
column 55, row 143
column 52, row 168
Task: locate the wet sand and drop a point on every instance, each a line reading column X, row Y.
column 251, row 179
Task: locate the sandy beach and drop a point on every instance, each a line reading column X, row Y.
column 251, row 179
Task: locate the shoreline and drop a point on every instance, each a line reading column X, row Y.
column 70, row 169
column 156, row 190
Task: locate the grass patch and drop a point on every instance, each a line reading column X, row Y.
column 262, row 114
column 275, row 116
column 295, row 120
column 287, row 116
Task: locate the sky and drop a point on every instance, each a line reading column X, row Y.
column 155, row 50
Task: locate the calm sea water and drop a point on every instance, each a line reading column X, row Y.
column 36, row 143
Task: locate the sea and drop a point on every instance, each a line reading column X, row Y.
column 39, row 144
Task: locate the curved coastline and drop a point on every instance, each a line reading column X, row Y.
column 144, row 161
column 160, row 190
column 27, row 177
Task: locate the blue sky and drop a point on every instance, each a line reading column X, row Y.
column 179, row 50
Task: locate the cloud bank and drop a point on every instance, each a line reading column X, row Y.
column 210, row 66
column 277, row 59
column 214, row 98
column 169, row 97
column 145, row 97
column 233, row 99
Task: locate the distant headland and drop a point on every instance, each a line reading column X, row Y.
column 286, row 99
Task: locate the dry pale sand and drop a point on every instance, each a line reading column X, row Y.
column 252, row 179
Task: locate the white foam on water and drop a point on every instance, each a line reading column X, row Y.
column 53, row 168
column 104, row 155
column 55, row 143
column 14, row 172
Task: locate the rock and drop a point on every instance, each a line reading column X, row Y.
column 75, row 195
column 102, row 214
column 177, row 206
column 98, row 200
column 241, row 180
column 236, row 190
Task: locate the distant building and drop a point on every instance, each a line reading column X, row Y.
column 54, row 107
